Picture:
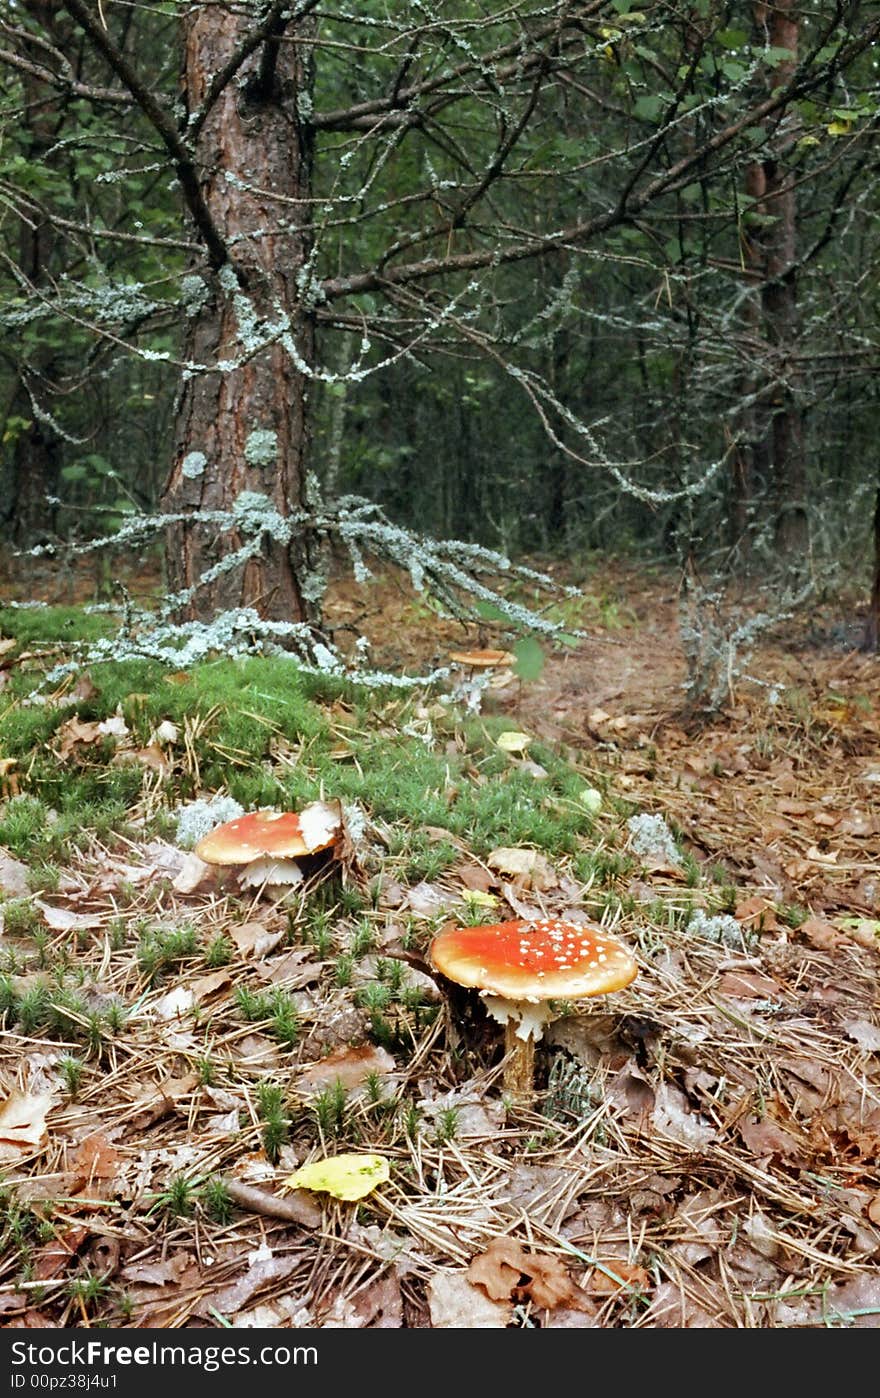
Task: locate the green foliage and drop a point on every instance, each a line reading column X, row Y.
column 446, row 1128
column 163, row 948
column 530, row 658
column 178, row 1199
column 20, row 917
column 329, row 1109
column 220, row 951
column 216, row 1199
column 272, row 1112
column 274, row 1008
column 71, row 1070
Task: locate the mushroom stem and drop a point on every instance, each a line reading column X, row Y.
column 519, row 1065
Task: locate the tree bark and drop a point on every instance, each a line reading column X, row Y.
column 245, row 428
column 778, row 239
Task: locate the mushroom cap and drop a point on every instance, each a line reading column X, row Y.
column 534, row 961
column 270, row 835
column 478, row 658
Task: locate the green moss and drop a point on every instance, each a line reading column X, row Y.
column 243, row 716
column 37, row 626
column 20, row 918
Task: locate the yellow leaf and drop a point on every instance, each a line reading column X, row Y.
column 513, row 742
column 840, row 128
column 344, row 1176
column 592, row 799
column 479, row 898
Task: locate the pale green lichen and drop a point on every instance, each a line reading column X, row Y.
column 255, row 514
column 450, row 571
column 193, row 465
column 651, row 838
column 723, row 929
column 261, row 447
column 199, row 818
column 194, row 294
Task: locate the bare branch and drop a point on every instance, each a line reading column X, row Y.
column 160, row 119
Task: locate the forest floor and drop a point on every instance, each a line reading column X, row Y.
column 702, row 1148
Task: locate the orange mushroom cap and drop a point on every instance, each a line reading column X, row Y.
column 534, row 961
column 478, row 658
column 268, row 834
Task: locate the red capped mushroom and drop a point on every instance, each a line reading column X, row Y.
column 520, row 966
column 268, row 843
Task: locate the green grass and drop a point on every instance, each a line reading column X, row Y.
column 50, row 626
column 241, row 711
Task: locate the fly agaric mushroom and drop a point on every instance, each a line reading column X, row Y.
column 519, row 967
column 268, row 843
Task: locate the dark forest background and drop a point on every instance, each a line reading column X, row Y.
column 548, row 277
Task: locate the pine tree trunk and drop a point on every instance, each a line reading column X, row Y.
column 779, row 303
column 246, row 428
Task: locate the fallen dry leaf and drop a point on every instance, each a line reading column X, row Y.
column 13, row 877
column 291, row 970
column 96, row 1159
column 168, row 1272
column 474, row 877
column 673, row 1118
column 822, row 934
column 152, row 757
column 497, row 1270
column 865, row 1034
column 768, row 1138
column 854, row 1303
column 757, row 912
column 427, row 899
column 261, row 1273
column 506, row 1271
column 63, row 920
column 350, row 1066
column 173, row 1004
column 54, row 1257
column 528, row 867
column 192, row 874
column 749, row 985
column 380, row 1305
column 23, row 1127
column 255, row 939
column 74, row 733
column 207, row 986
column 616, row 1274
column 456, row 1304
column 159, row 1101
